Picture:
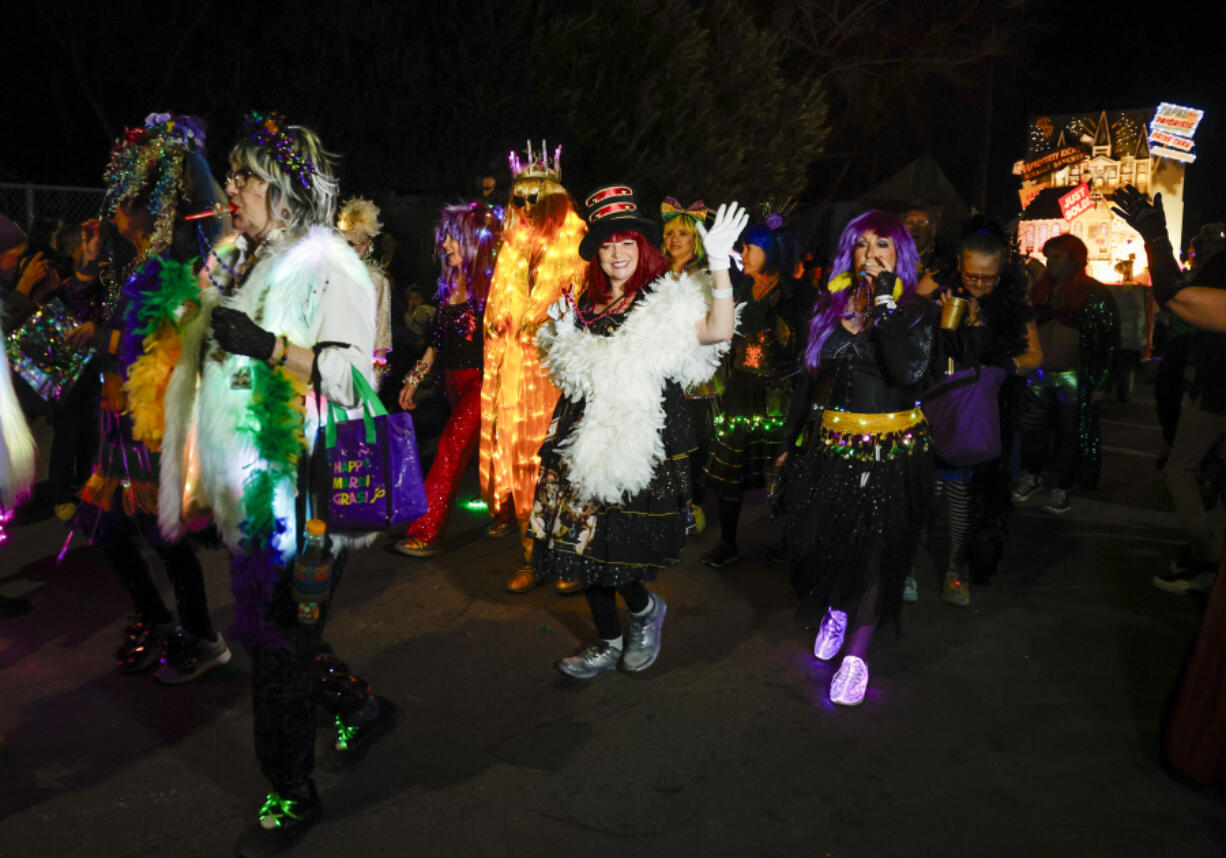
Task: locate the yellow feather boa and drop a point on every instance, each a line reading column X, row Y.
column 147, row 381
column 838, row 284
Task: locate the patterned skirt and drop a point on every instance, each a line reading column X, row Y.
column 599, row 544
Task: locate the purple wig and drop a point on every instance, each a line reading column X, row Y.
column 832, row 306
column 478, row 229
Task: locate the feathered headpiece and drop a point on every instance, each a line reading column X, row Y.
column 359, row 215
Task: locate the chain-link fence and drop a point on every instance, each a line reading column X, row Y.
column 23, row 203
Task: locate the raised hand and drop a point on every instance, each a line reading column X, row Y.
column 1137, row 211
column 718, row 240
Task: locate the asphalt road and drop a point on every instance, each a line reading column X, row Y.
column 1025, row 725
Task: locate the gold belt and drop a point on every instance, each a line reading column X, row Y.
column 871, row 424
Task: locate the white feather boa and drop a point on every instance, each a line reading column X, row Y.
column 204, row 411
column 17, row 453
column 614, row 449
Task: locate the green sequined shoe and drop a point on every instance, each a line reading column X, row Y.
column 283, row 822
column 353, row 741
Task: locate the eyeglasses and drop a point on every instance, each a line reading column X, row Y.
column 239, row 177
column 981, row 279
column 519, row 200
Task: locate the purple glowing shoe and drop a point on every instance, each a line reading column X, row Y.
column 830, row 635
column 850, row 682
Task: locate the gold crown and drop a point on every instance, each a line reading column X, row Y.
column 532, row 168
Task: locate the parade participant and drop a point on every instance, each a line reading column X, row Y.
column 996, row 328
column 538, row 259
column 764, row 355
column 17, row 465
column 359, row 222
column 614, row 483
column 1079, row 331
column 466, row 240
column 938, row 261
column 684, row 252
column 859, row 485
column 237, row 395
column 157, row 174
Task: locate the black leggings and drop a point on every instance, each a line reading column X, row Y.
column 603, row 603
column 182, row 567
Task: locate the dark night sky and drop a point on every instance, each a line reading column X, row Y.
column 1065, row 57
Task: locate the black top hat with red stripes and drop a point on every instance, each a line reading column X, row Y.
column 614, row 208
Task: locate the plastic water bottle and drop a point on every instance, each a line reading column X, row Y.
column 312, row 572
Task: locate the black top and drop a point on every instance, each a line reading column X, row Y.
column 772, row 331
column 456, row 337
column 877, row 371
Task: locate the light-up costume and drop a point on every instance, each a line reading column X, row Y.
column 17, row 455
column 538, row 259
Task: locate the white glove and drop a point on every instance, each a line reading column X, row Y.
column 559, row 309
column 730, row 221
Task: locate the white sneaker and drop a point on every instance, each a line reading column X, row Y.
column 850, row 682
column 830, row 635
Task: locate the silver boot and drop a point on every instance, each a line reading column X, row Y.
column 643, row 642
column 591, row 660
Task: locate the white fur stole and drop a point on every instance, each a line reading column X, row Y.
column 613, row 451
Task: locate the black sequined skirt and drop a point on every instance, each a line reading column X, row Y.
column 611, row 545
column 748, row 425
column 856, row 501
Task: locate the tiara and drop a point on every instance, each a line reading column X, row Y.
column 534, row 169
column 272, row 133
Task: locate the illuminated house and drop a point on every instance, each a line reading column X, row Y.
column 1116, row 153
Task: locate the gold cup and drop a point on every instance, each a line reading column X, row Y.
column 952, row 312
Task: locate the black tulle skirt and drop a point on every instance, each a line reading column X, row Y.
column 855, row 506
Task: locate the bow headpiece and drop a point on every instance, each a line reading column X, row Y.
column 670, row 208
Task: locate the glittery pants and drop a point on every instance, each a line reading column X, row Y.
column 287, row 683
column 122, row 548
column 455, row 449
column 1051, row 407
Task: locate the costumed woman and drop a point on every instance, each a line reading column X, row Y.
column 288, row 300
column 157, row 175
column 615, row 475
column 1079, row 333
column 996, row 329
column 684, row 252
column 859, row 474
column 359, row 222
column 466, row 240
column 17, row 465
column 764, row 355
column 539, row 258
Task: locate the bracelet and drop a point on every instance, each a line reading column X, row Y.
column 726, row 292
column 284, row 351
column 420, row 370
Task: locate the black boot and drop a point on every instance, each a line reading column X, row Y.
column 283, row 821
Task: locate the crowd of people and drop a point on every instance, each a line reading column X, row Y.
column 617, row 371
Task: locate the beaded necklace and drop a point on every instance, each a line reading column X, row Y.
column 616, row 307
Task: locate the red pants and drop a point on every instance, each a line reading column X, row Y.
column 455, row 448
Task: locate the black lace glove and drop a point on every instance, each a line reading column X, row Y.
column 883, row 288
column 1137, row 211
column 238, row 335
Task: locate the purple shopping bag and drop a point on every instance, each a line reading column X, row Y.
column 374, row 479
column 965, row 416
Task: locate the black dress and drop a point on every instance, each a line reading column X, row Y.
column 858, row 490
column 753, row 407
column 610, row 545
